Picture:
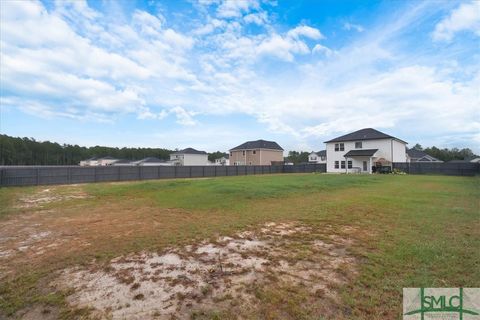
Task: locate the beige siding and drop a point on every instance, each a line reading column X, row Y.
column 255, row 157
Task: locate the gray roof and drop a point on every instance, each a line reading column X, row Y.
column 363, row 134
column 189, row 151
column 150, row 160
column 361, row 153
column 321, row 153
column 122, row 161
column 258, row 144
column 417, row 154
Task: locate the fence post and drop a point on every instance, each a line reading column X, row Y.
column 215, row 171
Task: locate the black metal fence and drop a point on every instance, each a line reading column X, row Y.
column 44, row 175
column 446, row 168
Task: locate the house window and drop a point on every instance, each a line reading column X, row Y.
column 336, row 164
column 254, row 152
column 349, row 164
column 339, row 147
column 343, row 165
column 231, row 153
column 358, row 145
column 243, row 153
column 323, row 158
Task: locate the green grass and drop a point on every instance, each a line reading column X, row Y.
column 423, row 230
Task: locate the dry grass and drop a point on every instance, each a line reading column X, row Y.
column 400, row 230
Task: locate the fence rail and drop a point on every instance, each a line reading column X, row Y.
column 45, row 175
column 446, row 168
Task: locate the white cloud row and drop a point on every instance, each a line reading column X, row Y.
column 73, row 61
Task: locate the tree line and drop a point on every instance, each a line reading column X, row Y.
column 28, row 151
column 446, row 154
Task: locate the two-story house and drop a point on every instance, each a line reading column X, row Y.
column 259, row 152
column 318, row 157
column 189, row 157
column 363, row 151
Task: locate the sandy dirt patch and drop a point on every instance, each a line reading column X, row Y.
column 211, row 276
column 49, row 195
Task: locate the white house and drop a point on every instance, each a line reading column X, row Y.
column 89, row 162
column 223, row 161
column 105, row 161
column 318, row 157
column 189, row 157
column 152, row 161
column 364, row 151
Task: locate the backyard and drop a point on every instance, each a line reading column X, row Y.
column 286, row 246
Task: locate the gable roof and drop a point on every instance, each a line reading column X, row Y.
column 419, row 154
column 364, row 134
column 321, row 153
column 189, row 151
column 258, row 144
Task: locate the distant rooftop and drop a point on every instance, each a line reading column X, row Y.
column 258, row 144
column 189, row 151
column 363, row 134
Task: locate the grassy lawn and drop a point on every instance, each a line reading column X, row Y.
column 407, row 231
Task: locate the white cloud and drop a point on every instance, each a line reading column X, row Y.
column 323, row 50
column 464, row 18
column 259, row 18
column 233, row 9
column 305, row 31
column 184, row 117
column 351, row 26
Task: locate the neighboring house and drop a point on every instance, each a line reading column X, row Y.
column 89, row 162
column 189, row 157
column 475, row 160
column 106, row 161
column 122, row 162
column 223, row 161
column 364, row 151
column 318, row 157
column 415, row 155
column 152, row 161
column 259, row 152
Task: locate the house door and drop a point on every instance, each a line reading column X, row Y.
column 365, row 166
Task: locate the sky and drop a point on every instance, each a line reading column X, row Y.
column 212, row 74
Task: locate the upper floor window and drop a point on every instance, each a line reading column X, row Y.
column 339, row 147
column 231, row 153
column 254, row 151
column 243, row 153
column 358, row 145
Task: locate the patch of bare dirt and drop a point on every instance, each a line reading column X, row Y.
column 49, row 195
column 216, row 275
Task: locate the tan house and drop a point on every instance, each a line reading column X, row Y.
column 258, row 152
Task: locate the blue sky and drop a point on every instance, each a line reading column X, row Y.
column 211, row 74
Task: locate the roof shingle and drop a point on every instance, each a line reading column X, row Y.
column 363, row 134
column 258, row 144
